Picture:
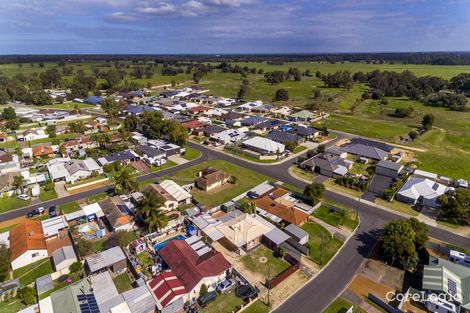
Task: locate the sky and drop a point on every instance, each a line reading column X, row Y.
column 232, row 26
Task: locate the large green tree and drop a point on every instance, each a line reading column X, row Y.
column 124, row 182
column 456, row 204
column 4, row 261
column 150, row 208
column 314, row 192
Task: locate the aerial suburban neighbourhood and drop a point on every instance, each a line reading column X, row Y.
column 234, row 156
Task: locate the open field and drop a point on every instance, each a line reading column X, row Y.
column 246, row 179
column 322, row 246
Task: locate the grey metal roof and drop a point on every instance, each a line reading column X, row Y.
column 149, row 151
column 277, row 236
column 283, row 137
column 363, row 150
column 106, row 294
column 296, row 231
column 230, row 215
column 139, row 300
column 62, row 254
column 105, row 258
column 44, row 284
column 389, row 165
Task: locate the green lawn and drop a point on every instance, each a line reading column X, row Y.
column 11, row 203
column 145, row 261
column 337, row 219
column 31, row 272
column 299, row 149
column 341, row 305
column 257, row 307
column 122, row 282
column 227, row 302
column 191, row 153
column 69, row 207
column 308, row 175
column 317, row 235
column 47, row 195
column 246, row 179
column 269, row 269
column 168, row 164
column 397, row 206
column 96, row 198
column 11, row 306
column 98, row 245
column 248, row 157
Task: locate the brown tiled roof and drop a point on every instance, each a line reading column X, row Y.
column 115, row 211
column 272, row 202
column 211, row 176
column 61, row 240
column 159, row 191
column 26, row 236
column 5, row 157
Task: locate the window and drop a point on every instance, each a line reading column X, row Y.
column 452, row 286
column 35, row 254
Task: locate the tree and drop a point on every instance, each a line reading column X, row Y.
column 421, row 233
column 398, row 244
column 291, row 145
column 203, row 290
column 428, row 121
column 9, row 114
column 4, row 262
column 131, row 122
column 456, row 204
column 413, row 134
column 4, row 96
column 18, row 182
column 76, row 267
column 281, row 95
column 314, row 192
column 12, row 124
column 84, row 247
column 111, row 106
column 150, row 208
column 77, row 127
column 243, row 89
column 197, row 76
column 124, row 183
column 27, row 295
column 321, row 149
column 51, row 130
column 62, row 150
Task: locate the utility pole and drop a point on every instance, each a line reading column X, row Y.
column 269, row 284
column 322, row 239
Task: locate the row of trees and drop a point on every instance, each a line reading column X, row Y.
column 455, row 204
column 277, row 77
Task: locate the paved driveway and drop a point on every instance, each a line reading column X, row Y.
column 60, row 189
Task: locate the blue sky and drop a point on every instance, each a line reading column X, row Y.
column 233, row 26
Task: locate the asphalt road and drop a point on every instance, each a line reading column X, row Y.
column 329, row 284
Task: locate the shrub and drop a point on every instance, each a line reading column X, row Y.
column 108, row 168
column 203, row 290
column 75, row 267
column 27, row 295
column 282, row 95
column 84, row 247
column 49, row 186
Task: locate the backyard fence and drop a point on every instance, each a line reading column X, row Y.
column 284, row 274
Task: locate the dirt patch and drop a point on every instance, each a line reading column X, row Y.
column 262, row 260
column 384, row 274
column 140, row 166
column 362, row 286
column 286, row 288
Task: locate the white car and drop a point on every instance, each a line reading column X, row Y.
column 226, row 285
column 23, row 197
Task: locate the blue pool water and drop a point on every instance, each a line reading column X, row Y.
column 160, row 245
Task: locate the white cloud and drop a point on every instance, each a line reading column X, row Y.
column 228, row 3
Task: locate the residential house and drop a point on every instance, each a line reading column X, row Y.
column 232, row 115
column 174, row 194
column 6, row 181
column 212, row 130
column 443, row 276
column 279, row 206
column 194, row 268
column 27, row 244
column 72, row 170
column 217, row 112
column 79, row 144
column 302, row 116
column 125, row 157
column 389, row 169
column 168, row 292
column 283, row 111
column 418, row 190
column 264, row 145
column 253, row 120
column 165, row 147
column 250, row 105
column 9, row 162
column 98, row 124
column 369, row 149
column 242, row 232
column 230, row 135
column 211, row 178
column 285, row 137
column 117, row 214
column 328, row 164
column 425, row 174
column 225, row 102
column 307, row 133
column 270, row 124
column 33, row 134
column 459, row 258
column 194, row 125
column 151, row 155
column 263, row 109
column 61, row 129
column 112, row 259
column 198, row 110
column 93, row 100
column 43, row 151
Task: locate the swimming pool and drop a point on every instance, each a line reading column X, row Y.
column 160, row 245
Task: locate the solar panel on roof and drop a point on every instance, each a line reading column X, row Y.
column 81, row 298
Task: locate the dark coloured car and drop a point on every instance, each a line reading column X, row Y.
column 207, row 298
column 36, row 212
column 53, row 211
column 246, row 292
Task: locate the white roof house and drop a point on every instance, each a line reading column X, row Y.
column 93, row 208
column 264, row 145
column 424, row 174
column 71, row 170
column 421, row 190
column 176, row 191
column 250, row 105
column 51, row 226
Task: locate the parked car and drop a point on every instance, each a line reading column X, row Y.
column 53, row 211
column 246, row 292
column 23, row 197
column 207, row 298
column 226, row 285
column 38, row 211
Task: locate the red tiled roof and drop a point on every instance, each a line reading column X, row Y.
column 189, row 266
column 193, row 124
column 199, row 108
column 26, row 236
column 166, row 288
column 42, row 150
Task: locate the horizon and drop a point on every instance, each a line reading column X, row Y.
column 198, row 27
